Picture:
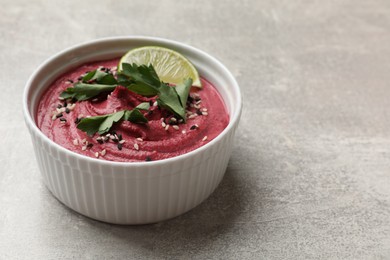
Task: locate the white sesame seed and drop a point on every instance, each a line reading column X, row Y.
column 163, row 124
column 58, row 110
column 108, row 135
column 180, row 120
column 103, row 152
column 176, row 127
column 204, row 109
column 192, row 116
column 205, row 113
column 140, row 139
column 61, row 98
column 166, row 127
column 115, row 111
column 196, row 106
column 204, row 138
column 198, row 102
column 173, row 119
column 54, row 117
column 84, row 140
column 72, row 106
column 63, row 122
column 162, row 119
column 122, row 141
column 63, row 109
column 96, row 154
column 183, row 132
column 155, row 103
column 136, row 147
column 76, row 142
column 94, row 100
column 113, row 137
column 84, row 148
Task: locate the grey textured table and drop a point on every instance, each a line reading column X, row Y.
column 309, row 176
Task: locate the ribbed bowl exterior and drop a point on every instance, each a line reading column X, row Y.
column 124, row 194
column 130, row 193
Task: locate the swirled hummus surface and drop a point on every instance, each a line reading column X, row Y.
column 164, row 136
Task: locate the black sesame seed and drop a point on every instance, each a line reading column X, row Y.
column 89, row 145
column 80, row 78
column 148, row 159
column 70, row 81
column 190, row 99
column 63, row 119
column 59, row 115
column 59, row 106
column 113, row 132
column 193, row 127
column 103, row 68
column 115, row 140
column 100, row 141
column 106, row 139
column 73, row 100
column 67, row 110
column 119, row 137
column 65, row 104
column 199, row 112
column 151, row 102
column 119, row 146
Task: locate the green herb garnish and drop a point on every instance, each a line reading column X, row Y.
column 140, row 79
column 102, row 124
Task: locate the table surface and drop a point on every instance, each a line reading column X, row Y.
column 309, row 175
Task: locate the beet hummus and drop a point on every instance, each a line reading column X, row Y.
column 164, row 136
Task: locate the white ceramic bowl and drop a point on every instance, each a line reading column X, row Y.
column 139, row 192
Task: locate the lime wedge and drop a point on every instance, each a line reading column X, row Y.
column 171, row 66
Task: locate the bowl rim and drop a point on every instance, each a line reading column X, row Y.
column 233, row 119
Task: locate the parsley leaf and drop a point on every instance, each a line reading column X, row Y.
column 102, row 124
column 83, row 91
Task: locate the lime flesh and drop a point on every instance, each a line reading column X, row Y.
column 171, row 66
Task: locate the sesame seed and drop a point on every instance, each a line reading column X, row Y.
column 84, row 148
column 72, row 106
column 140, row 139
column 84, row 141
column 183, row 132
column 119, row 146
column 204, row 138
column 67, row 110
column 76, row 142
column 89, row 145
column 61, row 98
column 59, row 106
column 198, row 102
column 193, row 127
column 63, row 109
column 204, row 109
column 63, row 120
column 176, row 127
column 196, row 106
column 205, row 113
column 166, row 127
column 119, row 137
column 173, row 119
column 163, row 124
column 108, row 135
column 54, row 117
column 136, row 146
column 148, row 159
column 180, row 120
column 155, row 103
column 96, row 154
column 122, row 141
column 103, row 152
column 198, row 112
column 192, row 116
